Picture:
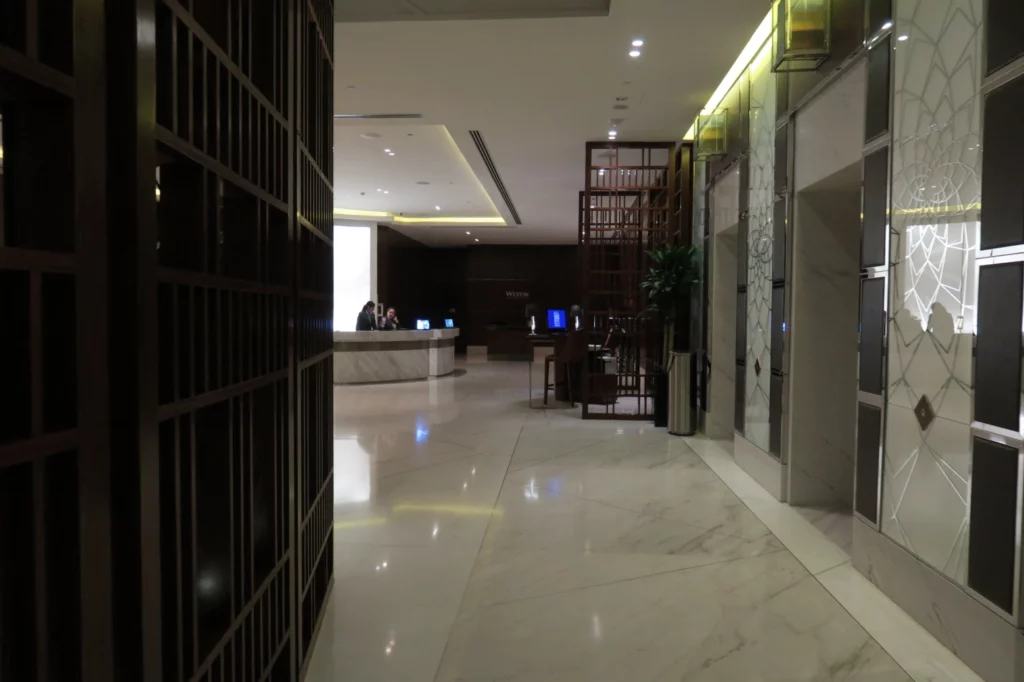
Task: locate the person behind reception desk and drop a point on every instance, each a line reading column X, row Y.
column 391, row 322
column 367, row 321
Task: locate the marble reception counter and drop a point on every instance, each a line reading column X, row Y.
column 373, row 357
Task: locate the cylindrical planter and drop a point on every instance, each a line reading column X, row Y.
column 681, row 413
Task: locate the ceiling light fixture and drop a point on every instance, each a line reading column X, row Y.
column 638, row 42
column 380, row 190
column 388, row 151
column 476, row 240
column 886, row 25
column 634, row 53
column 385, row 191
column 437, row 208
column 903, row 38
column 469, row 232
column 613, row 133
column 391, row 153
column 761, row 35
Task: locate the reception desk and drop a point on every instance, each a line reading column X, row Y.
column 373, row 357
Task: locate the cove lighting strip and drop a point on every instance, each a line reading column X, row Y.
column 763, row 33
column 433, row 220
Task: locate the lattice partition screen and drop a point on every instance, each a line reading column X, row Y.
column 165, row 347
column 626, row 211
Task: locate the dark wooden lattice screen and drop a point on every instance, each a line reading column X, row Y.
column 625, row 213
column 165, row 338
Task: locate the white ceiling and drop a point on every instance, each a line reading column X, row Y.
column 536, row 89
column 422, row 154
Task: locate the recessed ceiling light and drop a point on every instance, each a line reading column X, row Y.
column 886, row 25
column 903, row 38
column 385, row 191
column 380, row 190
column 388, row 151
column 476, row 240
column 638, row 43
column 634, row 53
column 613, row 133
column 437, row 208
column 391, row 153
column 468, row 232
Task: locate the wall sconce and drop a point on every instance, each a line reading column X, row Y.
column 712, row 129
column 802, row 36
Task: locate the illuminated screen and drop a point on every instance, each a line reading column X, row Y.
column 556, row 319
column 449, row 323
column 352, row 257
column 422, row 324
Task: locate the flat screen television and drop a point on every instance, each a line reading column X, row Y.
column 556, row 319
column 422, row 325
column 449, row 323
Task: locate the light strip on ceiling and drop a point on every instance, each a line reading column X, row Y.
column 763, row 33
column 432, row 220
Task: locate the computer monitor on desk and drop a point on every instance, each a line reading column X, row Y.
column 422, row 325
column 556, row 320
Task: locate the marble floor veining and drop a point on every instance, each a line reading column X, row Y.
column 479, row 540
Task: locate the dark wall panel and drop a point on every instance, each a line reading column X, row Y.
column 741, row 398
column 879, row 12
column 1005, row 37
column 778, row 321
column 876, row 121
column 869, row 440
column 872, row 335
column 997, row 361
column 993, row 534
column 777, row 382
column 876, row 209
column 1001, row 166
column 484, row 285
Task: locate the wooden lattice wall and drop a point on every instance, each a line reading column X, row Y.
column 165, row 341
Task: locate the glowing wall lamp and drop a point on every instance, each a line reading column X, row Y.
column 802, row 34
column 712, row 128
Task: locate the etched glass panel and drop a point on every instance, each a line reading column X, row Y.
column 760, row 237
column 936, row 190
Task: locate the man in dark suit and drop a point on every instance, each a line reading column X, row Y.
column 367, row 320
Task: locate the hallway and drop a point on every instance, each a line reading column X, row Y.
column 478, row 540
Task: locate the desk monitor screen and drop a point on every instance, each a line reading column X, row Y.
column 556, row 319
column 449, row 323
column 422, row 324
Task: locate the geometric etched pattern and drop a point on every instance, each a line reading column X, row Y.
column 936, row 194
column 760, row 237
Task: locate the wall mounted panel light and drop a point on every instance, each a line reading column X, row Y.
column 803, row 31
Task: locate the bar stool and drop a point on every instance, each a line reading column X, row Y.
column 569, row 356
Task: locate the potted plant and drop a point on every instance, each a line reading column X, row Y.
column 675, row 270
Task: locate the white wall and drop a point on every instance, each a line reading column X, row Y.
column 355, row 260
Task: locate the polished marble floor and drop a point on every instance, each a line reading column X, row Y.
column 479, row 540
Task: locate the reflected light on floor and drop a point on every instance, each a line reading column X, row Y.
column 457, row 509
column 351, row 472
